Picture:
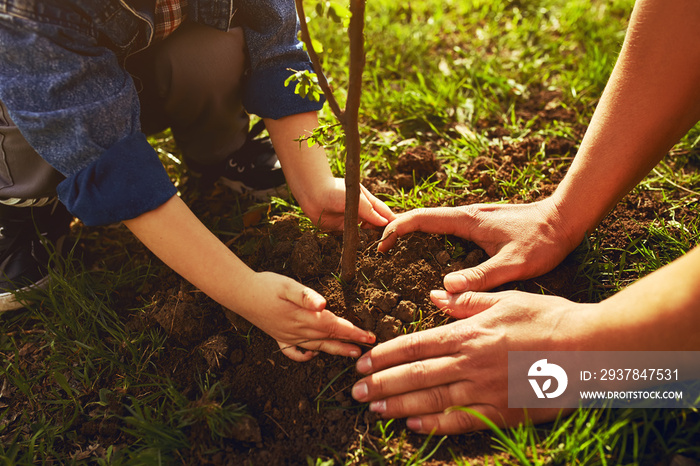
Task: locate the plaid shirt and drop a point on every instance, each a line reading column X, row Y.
column 169, row 15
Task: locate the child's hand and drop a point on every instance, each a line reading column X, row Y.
column 320, row 195
column 296, row 317
column 327, row 208
column 291, row 313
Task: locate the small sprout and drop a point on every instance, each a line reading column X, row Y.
column 307, row 84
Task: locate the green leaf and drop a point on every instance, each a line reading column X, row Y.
column 63, row 383
column 307, row 84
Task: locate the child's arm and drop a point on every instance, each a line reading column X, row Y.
column 320, row 195
column 291, row 313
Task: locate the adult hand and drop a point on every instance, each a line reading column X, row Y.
column 522, row 240
column 296, row 317
column 466, row 363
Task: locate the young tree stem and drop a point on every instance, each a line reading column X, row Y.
column 351, row 238
column 348, row 118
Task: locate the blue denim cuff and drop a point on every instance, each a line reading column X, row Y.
column 267, row 97
column 126, row 181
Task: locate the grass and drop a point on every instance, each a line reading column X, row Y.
column 70, row 343
column 456, row 76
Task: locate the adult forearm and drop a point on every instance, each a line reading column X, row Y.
column 660, row 312
column 649, row 103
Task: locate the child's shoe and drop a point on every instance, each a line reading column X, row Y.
column 253, row 169
column 23, row 256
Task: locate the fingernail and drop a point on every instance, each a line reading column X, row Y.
column 377, row 406
column 364, row 364
column 371, row 337
column 359, row 391
column 455, row 282
column 355, row 353
column 439, row 295
column 414, row 423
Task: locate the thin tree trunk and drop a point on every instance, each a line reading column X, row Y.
column 351, row 238
column 348, row 119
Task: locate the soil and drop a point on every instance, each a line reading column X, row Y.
column 300, row 410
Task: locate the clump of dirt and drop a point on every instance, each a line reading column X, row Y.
column 416, row 165
column 305, row 260
column 184, row 317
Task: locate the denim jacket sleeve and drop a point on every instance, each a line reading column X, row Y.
column 79, row 109
column 270, row 28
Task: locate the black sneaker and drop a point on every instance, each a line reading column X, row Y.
column 252, row 169
column 23, row 257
